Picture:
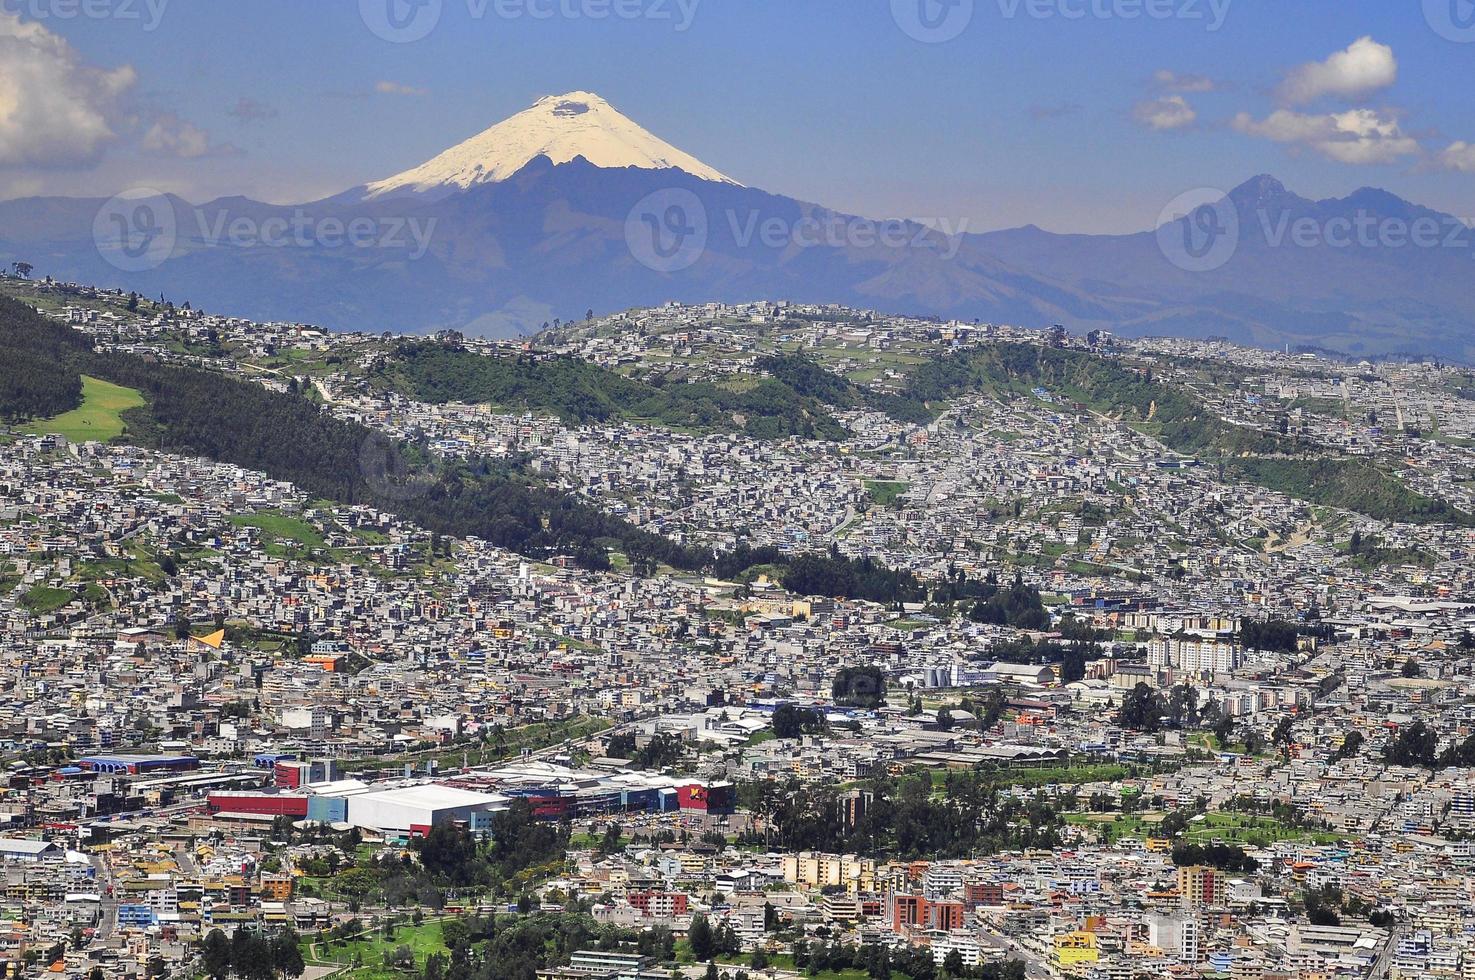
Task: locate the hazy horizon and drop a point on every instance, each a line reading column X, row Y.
column 1081, row 116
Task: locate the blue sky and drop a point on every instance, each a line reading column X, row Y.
column 1030, row 114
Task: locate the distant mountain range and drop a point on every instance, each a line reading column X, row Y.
column 571, row 206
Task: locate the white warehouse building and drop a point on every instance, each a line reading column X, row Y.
column 413, row 810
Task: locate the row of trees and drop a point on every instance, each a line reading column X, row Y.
column 882, row 962
column 1225, row 857
column 249, row 955
column 1145, row 709
column 835, row 576
column 903, row 818
column 1418, row 745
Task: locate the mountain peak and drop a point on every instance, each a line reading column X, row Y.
column 559, row 127
column 1259, row 190
column 1376, row 198
column 571, row 103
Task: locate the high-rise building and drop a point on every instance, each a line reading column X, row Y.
column 1177, row 935
column 1200, row 886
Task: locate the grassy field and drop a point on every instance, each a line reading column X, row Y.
column 281, row 535
column 1232, row 828
column 885, row 492
column 98, row 419
column 42, row 599
column 370, row 950
column 1053, row 776
column 1063, row 775
column 1244, row 828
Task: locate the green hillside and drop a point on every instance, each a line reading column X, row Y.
column 578, row 392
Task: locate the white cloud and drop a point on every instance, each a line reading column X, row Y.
column 55, row 110
column 1458, row 156
column 1169, row 112
column 173, row 136
column 1358, row 136
column 1174, row 82
column 1364, row 67
column 396, row 88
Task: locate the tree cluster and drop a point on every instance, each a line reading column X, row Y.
column 1418, row 745
column 882, row 962
column 859, row 687
column 249, row 955
column 903, row 819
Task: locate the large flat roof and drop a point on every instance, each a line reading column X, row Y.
column 23, row 845
column 433, row 796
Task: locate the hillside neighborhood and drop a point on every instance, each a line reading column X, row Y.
column 1028, row 677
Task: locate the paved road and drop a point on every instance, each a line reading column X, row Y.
column 108, row 910
column 1385, row 959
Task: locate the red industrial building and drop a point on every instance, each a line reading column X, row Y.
column 261, row 804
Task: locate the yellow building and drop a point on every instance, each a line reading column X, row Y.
column 811, row 870
column 1073, row 952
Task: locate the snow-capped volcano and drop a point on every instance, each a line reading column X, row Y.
column 560, row 127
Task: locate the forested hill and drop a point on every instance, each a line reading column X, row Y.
column 764, row 407
column 288, row 437
column 1176, row 418
column 38, row 378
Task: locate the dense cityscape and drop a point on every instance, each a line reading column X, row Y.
column 798, row 640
